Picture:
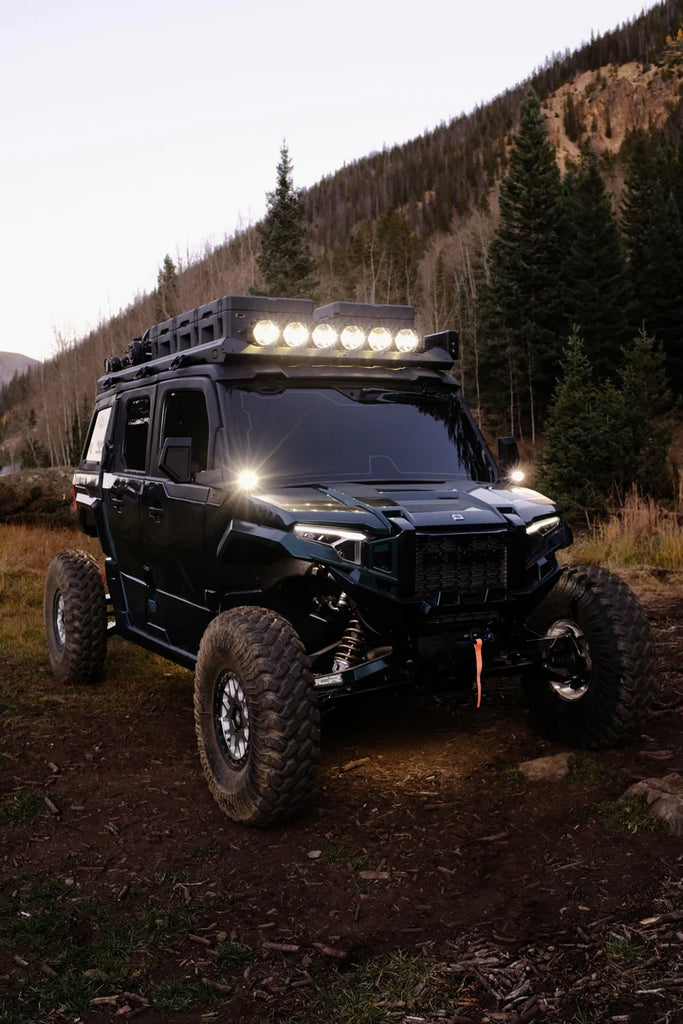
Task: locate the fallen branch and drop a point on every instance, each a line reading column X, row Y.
column 336, row 954
column 52, row 808
column 351, row 765
column 218, row 986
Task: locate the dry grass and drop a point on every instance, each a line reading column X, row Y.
column 28, row 549
column 26, row 683
column 641, row 533
column 25, row 553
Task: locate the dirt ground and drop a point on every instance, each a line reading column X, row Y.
column 430, row 881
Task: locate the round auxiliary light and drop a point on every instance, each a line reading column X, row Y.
column 406, row 340
column 266, row 332
column 379, row 339
column 247, row 480
column 352, row 337
column 295, row 334
column 324, row 336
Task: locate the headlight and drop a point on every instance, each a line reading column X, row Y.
column 247, row 480
column 347, row 543
column 541, row 526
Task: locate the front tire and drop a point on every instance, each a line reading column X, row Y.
column 593, row 684
column 75, row 616
column 256, row 716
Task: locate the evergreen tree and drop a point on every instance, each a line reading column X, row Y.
column 654, row 241
column 382, row 260
column 285, row 260
column 167, row 298
column 603, row 438
column 648, row 405
column 598, row 291
column 32, row 453
column 524, row 299
column 577, row 464
column 572, row 120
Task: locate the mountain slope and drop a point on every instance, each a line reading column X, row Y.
column 13, row 362
column 430, row 203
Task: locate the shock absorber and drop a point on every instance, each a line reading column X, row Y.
column 350, row 648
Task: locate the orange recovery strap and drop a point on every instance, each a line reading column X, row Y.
column 480, row 661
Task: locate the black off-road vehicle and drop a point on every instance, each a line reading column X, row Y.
column 297, row 504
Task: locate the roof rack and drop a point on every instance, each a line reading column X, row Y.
column 229, row 328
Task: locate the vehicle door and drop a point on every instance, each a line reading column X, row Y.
column 173, row 511
column 126, row 462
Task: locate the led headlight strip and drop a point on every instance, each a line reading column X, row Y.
column 347, row 543
column 544, row 525
column 352, row 337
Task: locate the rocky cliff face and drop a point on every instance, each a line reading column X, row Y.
column 604, row 106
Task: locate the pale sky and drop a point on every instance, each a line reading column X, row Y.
column 133, row 128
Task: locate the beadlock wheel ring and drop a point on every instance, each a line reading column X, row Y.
column 231, row 719
column 568, row 660
column 59, row 619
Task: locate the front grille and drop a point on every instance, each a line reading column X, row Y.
column 469, row 566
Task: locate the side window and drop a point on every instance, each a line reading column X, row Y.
column 185, row 415
column 98, row 432
column 136, row 433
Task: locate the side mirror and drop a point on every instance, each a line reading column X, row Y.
column 508, row 454
column 176, row 459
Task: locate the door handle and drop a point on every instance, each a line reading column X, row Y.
column 116, row 502
column 155, row 513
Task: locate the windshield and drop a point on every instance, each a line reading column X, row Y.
column 306, row 434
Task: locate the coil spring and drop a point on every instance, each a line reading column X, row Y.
column 350, row 648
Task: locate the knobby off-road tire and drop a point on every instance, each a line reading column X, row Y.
column 256, row 716
column 595, row 682
column 75, row 615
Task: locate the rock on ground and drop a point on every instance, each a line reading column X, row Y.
column 547, row 769
column 663, row 799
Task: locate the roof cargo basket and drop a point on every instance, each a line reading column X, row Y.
column 228, row 317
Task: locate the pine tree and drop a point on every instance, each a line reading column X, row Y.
column 598, row 291
column 523, row 302
column 285, row 260
column 603, row 438
column 648, row 404
column 382, row 258
column 653, row 231
column 569, row 430
column 572, row 121
column 585, row 450
column 167, row 298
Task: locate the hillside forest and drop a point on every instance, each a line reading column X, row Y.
column 546, row 226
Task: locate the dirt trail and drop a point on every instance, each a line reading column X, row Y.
column 525, row 900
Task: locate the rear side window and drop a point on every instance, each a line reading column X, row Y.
column 136, row 433
column 93, row 451
column 185, row 415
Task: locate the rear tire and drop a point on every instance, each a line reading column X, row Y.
column 256, row 716
column 75, row 616
column 594, row 683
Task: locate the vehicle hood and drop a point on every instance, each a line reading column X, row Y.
column 423, row 505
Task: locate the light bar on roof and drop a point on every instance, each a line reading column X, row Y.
column 239, row 326
column 345, row 327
